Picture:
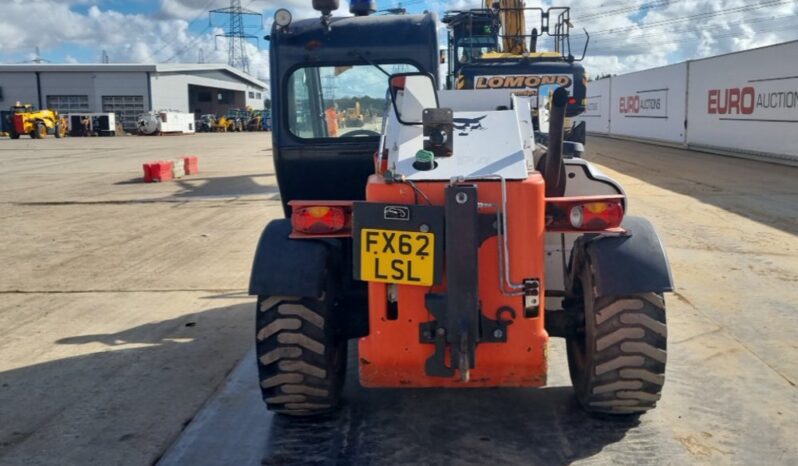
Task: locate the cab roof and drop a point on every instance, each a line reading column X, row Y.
column 357, row 40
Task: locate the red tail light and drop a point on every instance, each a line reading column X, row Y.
column 321, row 218
column 572, row 101
column 398, row 82
column 592, row 213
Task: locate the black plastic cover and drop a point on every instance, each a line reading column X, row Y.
column 288, row 267
column 626, row 265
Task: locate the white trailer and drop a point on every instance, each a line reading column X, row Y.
column 98, row 124
column 166, row 121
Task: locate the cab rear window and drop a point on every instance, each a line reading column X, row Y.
column 339, row 101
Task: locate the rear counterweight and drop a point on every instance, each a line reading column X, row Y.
column 395, row 352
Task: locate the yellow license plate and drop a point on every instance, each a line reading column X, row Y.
column 401, row 257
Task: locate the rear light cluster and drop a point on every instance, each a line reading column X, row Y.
column 398, row 82
column 584, row 213
column 320, row 219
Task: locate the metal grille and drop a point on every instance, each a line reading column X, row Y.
column 68, row 103
column 126, row 107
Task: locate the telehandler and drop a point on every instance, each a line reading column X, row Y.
column 36, row 123
column 451, row 244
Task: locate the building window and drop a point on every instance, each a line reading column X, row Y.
column 1, row 94
column 258, row 95
column 225, row 97
column 126, row 107
column 68, row 103
column 251, row 94
column 204, row 97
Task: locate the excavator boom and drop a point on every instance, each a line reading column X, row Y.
column 513, row 25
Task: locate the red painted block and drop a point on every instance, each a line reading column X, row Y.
column 191, row 165
column 160, row 170
column 147, row 173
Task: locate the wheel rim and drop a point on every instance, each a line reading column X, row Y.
column 578, row 363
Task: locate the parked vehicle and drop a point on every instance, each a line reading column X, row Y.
column 451, row 244
column 91, row 124
column 35, row 123
column 206, row 123
column 165, row 121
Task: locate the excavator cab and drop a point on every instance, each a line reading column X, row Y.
column 470, row 37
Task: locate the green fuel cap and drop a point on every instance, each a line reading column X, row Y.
column 425, row 160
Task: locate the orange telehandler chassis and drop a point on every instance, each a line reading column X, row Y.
column 511, row 356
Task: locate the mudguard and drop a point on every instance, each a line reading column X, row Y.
column 625, row 265
column 289, row 267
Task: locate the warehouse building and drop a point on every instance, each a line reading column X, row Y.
column 130, row 89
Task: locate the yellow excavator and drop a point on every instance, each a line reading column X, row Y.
column 36, row 123
column 491, row 48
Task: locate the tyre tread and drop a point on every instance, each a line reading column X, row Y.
column 631, row 352
column 296, row 356
column 624, row 370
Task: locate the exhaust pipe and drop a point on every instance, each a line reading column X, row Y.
column 553, row 167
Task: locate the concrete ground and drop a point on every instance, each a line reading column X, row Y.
column 123, row 310
column 122, row 304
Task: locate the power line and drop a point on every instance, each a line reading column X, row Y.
column 613, row 50
column 169, row 42
column 693, row 29
column 631, row 9
column 702, row 16
column 603, row 7
column 193, row 41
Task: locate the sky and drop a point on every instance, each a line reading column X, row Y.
column 626, row 35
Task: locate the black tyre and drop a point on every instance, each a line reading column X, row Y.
column 13, row 135
column 301, row 361
column 41, row 131
column 617, row 355
column 60, row 130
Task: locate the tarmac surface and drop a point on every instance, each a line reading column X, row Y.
column 126, row 332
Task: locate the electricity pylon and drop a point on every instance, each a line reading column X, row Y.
column 236, row 34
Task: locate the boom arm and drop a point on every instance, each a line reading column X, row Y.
column 513, row 25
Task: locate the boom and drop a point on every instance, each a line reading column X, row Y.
column 513, row 24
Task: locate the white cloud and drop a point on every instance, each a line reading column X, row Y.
column 679, row 30
column 622, row 39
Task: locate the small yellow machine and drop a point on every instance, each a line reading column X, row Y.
column 36, row 123
column 353, row 117
column 223, row 125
